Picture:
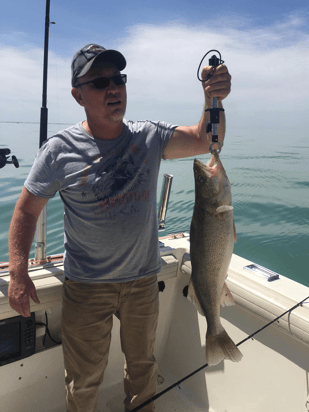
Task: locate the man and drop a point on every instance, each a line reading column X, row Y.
column 105, row 169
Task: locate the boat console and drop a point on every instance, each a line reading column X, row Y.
column 17, row 338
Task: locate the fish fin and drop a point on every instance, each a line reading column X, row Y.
column 193, row 298
column 224, row 209
column 226, row 298
column 221, row 347
column 235, row 235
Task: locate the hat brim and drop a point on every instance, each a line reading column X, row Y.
column 112, row 56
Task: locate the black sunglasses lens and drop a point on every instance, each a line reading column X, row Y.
column 103, row 82
column 120, row 79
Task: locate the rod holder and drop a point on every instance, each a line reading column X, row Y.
column 165, row 195
column 40, row 246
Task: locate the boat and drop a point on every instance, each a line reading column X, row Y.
column 270, row 321
column 272, row 376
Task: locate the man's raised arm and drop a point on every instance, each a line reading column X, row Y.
column 193, row 140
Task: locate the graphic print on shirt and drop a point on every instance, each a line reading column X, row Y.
column 118, row 182
column 113, row 178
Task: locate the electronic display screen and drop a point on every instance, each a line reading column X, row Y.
column 9, row 340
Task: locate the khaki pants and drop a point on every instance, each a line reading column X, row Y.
column 87, row 320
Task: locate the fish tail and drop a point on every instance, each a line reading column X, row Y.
column 221, row 347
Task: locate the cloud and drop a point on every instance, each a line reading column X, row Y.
column 268, row 67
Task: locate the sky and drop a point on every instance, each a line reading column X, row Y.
column 265, row 45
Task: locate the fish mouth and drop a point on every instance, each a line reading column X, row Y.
column 198, row 165
column 201, row 164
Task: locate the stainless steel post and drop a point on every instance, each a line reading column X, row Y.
column 166, row 190
column 40, row 246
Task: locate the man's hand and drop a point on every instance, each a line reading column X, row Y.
column 192, row 140
column 19, row 293
column 219, row 85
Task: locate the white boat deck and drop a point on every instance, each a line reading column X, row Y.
column 272, row 376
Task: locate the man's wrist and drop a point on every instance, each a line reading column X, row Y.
column 18, row 271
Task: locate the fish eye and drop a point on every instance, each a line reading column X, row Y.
column 200, row 178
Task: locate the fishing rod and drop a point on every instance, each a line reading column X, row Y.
column 44, row 109
column 213, row 124
column 40, row 253
column 155, row 397
column 40, row 246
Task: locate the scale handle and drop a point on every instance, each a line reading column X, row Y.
column 214, row 61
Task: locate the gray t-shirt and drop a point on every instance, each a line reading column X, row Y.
column 108, row 188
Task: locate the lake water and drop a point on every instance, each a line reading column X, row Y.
column 269, row 174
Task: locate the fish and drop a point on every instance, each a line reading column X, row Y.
column 212, row 238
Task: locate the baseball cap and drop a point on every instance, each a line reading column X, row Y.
column 85, row 57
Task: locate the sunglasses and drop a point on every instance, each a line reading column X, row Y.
column 102, row 82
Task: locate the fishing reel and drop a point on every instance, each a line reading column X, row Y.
column 213, row 125
column 4, row 156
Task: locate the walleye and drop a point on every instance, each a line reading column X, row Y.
column 212, row 237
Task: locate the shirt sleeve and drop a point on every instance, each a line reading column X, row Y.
column 166, row 131
column 42, row 180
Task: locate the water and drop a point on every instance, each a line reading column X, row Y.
column 268, row 171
